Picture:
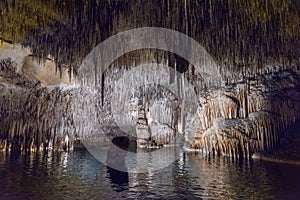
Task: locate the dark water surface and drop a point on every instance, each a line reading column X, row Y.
column 78, row 175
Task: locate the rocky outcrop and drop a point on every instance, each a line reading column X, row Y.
column 247, row 114
column 236, row 119
column 247, row 117
column 32, row 117
column 134, row 100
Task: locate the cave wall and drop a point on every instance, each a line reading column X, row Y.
column 247, row 117
column 33, row 117
column 255, row 43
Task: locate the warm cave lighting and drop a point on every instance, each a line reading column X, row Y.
column 165, row 99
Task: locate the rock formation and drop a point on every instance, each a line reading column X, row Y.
column 255, row 45
column 250, row 116
column 236, row 119
column 33, row 117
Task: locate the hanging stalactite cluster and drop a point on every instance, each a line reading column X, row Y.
column 240, row 35
column 254, row 42
column 243, row 119
column 150, row 108
column 32, row 117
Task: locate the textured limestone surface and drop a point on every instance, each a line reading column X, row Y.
column 33, row 116
column 238, row 118
column 249, row 116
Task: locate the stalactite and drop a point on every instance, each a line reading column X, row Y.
column 87, row 23
column 273, row 106
column 33, row 112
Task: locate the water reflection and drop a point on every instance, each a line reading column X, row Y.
column 119, row 179
column 45, row 176
column 227, row 179
column 116, row 160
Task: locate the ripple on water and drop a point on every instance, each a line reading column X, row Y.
column 78, row 175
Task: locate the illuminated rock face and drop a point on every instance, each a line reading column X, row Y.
column 46, row 72
column 235, row 119
column 244, row 118
column 33, row 117
column 141, row 104
column 35, row 102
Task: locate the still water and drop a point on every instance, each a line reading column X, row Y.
column 78, row 175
